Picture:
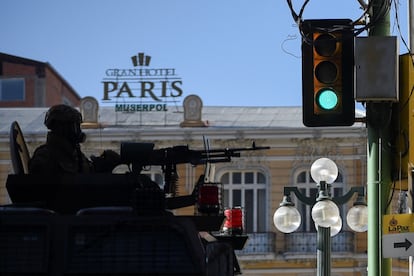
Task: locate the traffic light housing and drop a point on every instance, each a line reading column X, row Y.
column 328, row 72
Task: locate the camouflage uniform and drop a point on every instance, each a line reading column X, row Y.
column 59, row 156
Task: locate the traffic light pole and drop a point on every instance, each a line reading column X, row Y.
column 378, row 161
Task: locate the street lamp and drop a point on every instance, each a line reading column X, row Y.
column 325, row 211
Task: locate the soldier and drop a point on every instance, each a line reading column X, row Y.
column 62, row 153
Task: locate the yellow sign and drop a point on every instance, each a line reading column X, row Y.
column 402, row 121
column 398, row 235
column 397, row 223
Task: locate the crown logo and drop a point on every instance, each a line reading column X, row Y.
column 141, row 60
column 393, row 222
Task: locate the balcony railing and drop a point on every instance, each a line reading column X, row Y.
column 259, row 243
column 297, row 242
column 306, row 242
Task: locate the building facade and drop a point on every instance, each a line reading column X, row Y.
column 254, row 181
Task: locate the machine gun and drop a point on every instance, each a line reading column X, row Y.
column 141, row 155
column 144, row 154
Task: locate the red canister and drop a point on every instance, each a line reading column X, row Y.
column 233, row 224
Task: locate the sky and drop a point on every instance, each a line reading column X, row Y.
column 228, row 52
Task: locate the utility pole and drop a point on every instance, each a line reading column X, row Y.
column 378, row 158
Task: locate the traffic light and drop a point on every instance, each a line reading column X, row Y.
column 328, row 73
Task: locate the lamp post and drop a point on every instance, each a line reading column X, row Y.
column 325, row 211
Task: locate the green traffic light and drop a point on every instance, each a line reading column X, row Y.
column 327, row 99
column 328, row 72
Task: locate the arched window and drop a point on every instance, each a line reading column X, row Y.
column 307, row 187
column 248, row 190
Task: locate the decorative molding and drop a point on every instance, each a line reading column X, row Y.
column 310, row 148
column 192, row 112
column 89, row 108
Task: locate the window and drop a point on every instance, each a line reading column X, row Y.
column 308, row 187
column 12, row 90
column 248, row 190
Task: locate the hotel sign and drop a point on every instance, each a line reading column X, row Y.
column 141, row 88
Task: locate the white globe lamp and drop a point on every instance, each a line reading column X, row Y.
column 357, row 218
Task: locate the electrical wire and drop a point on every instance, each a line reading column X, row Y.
column 397, row 22
column 387, row 205
column 382, row 10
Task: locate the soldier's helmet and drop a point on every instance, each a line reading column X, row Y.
column 62, row 113
column 65, row 120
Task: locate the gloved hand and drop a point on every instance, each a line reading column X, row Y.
column 107, row 161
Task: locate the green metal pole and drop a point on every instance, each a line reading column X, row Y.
column 379, row 158
column 323, row 251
